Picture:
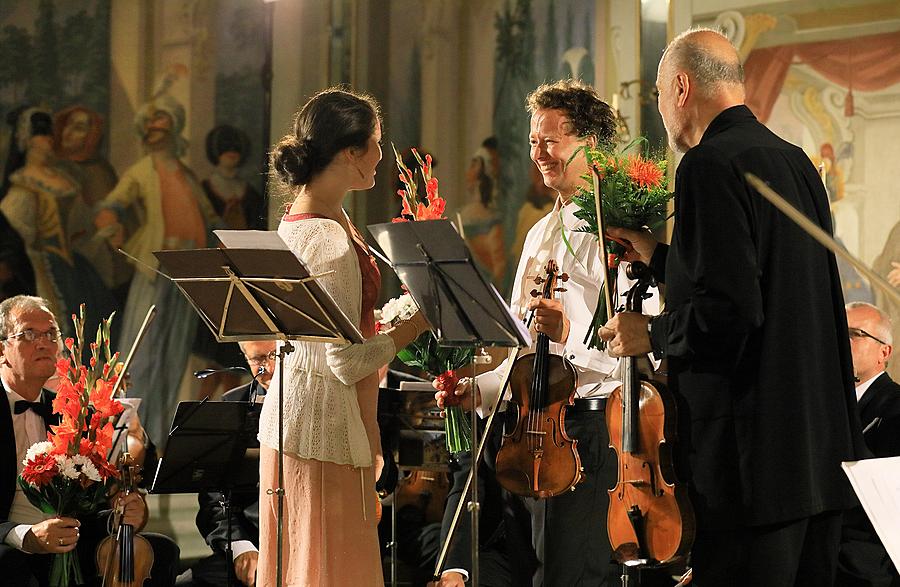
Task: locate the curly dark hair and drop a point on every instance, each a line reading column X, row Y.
column 587, row 111
column 329, row 122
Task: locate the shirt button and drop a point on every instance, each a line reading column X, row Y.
column 571, row 357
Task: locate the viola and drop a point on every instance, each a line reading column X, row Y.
column 537, row 458
column 650, row 517
column 125, row 559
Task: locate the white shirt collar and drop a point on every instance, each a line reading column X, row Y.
column 865, row 385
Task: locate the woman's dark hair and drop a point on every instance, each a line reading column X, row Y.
column 329, row 122
column 224, row 138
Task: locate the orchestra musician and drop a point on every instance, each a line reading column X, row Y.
column 754, row 331
column 29, row 344
column 863, row 561
column 244, row 506
column 568, row 530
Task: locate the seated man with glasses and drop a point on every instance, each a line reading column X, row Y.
column 211, row 520
column 29, row 346
column 863, row 560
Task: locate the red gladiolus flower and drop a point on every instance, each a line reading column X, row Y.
column 70, row 343
column 40, row 470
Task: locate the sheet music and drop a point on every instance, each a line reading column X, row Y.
column 877, row 484
column 251, row 239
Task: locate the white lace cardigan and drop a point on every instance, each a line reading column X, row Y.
column 321, row 413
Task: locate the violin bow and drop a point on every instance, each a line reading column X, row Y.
column 151, row 314
column 601, row 236
column 822, row 237
column 148, row 318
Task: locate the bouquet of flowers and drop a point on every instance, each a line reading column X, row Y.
column 634, row 195
column 425, row 353
column 439, row 362
column 69, row 474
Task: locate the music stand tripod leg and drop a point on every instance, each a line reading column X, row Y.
column 229, row 555
column 286, row 348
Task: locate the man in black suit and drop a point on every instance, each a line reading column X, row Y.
column 505, row 557
column 863, row 560
column 211, row 519
column 29, row 345
column 755, row 334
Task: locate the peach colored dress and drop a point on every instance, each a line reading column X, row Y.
column 329, row 524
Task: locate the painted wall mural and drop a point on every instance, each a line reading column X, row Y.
column 839, row 99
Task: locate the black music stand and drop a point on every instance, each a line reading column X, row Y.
column 255, row 288
column 464, row 309
column 211, row 448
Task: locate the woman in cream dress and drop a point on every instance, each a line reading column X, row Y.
column 331, row 438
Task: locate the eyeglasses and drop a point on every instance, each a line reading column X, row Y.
column 29, row 335
column 262, row 359
column 860, row 333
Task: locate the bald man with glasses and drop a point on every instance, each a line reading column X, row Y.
column 863, row 560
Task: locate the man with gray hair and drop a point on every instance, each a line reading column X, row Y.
column 754, row 331
column 29, row 344
column 863, row 559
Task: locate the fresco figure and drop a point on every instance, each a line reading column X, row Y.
column 481, row 220
column 40, row 200
column 78, row 132
column 241, row 208
column 887, row 264
column 173, row 213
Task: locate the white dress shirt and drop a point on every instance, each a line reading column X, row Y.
column 597, row 371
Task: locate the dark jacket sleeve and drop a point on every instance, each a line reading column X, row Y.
column 719, row 297
column 213, row 525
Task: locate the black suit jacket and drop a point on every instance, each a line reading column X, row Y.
column 879, row 413
column 756, row 334
column 211, row 520
column 8, row 468
column 863, row 559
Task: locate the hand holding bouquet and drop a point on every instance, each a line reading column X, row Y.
column 69, row 474
column 634, row 195
column 439, row 362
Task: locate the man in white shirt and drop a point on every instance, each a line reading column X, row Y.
column 29, row 343
column 863, row 559
column 568, row 531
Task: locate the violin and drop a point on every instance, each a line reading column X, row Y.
column 125, row 560
column 650, row 518
column 537, row 458
column 426, row 489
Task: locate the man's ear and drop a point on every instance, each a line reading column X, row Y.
column 683, row 88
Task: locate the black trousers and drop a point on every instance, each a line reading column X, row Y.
column 799, row 553
column 569, row 531
column 19, row 569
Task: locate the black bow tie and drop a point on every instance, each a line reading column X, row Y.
column 41, row 409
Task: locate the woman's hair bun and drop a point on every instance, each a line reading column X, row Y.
column 294, row 160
